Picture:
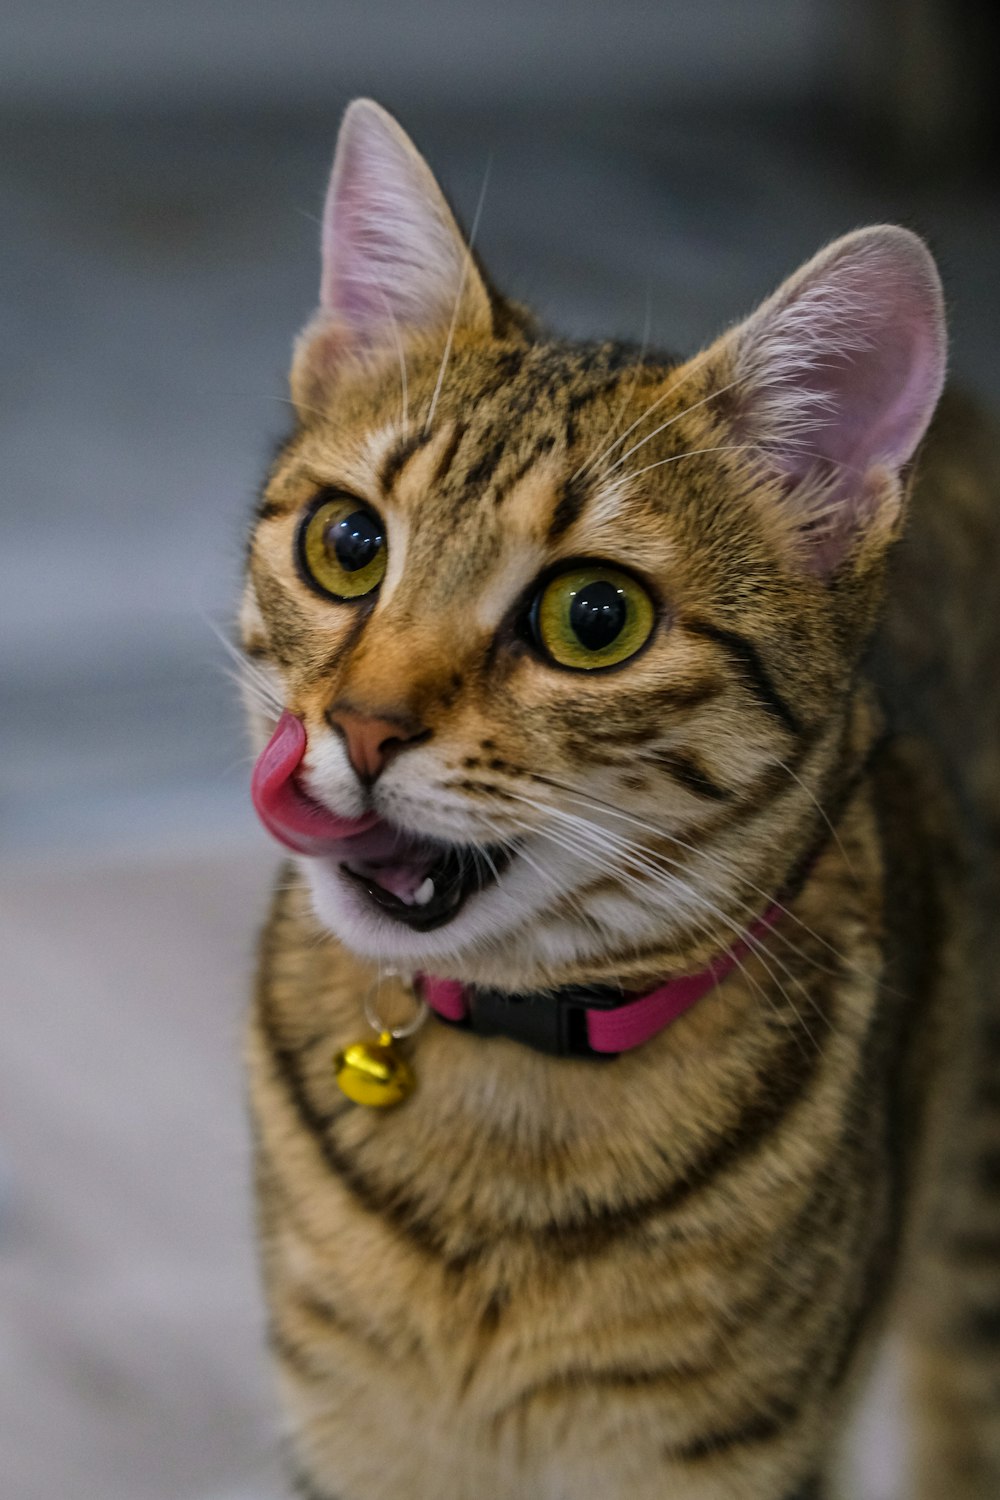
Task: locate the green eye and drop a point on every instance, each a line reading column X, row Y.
column 341, row 548
column 592, row 616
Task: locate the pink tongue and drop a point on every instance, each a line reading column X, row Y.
column 283, row 808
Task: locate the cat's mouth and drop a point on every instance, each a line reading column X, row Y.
column 416, row 881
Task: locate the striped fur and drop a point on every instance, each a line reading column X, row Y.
column 663, row 1276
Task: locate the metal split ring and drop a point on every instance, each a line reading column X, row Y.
column 375, row 1021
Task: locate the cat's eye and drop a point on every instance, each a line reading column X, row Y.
column 341, row 548
column 592, row 616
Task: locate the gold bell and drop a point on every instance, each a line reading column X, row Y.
column 374, row 1073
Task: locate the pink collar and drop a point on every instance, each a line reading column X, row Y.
column 582, row 1022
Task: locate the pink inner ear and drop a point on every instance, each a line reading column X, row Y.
column 392, row 255
column 845, row 364
column 345, row 289
column 889, row 400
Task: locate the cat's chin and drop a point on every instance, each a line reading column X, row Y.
column 467, row 907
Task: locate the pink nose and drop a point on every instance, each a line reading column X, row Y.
column 372, row 742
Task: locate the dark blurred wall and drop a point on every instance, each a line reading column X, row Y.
column 161, row 170
column 919, row 78
column 114, row 53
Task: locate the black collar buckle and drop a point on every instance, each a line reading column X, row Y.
column 550, row 1021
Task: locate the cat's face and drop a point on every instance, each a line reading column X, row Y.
column 574, row 624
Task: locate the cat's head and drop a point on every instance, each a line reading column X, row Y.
column 578, row 625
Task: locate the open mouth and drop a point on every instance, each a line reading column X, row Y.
column 418, row 882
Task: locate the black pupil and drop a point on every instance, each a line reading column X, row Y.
column 597, row 614
column 355, row 540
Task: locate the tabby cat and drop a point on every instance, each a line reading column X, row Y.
column 592, row 729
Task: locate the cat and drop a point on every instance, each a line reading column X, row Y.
column 612, row 712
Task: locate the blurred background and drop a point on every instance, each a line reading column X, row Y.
column 657, row 163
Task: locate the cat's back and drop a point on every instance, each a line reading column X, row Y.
column 938, row 654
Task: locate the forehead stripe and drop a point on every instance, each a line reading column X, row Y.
column 447, row 458
column 573, row 496
column 543, row 445
column 479, row 476
column 399, row 456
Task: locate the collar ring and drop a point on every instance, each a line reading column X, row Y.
column 404, row 1028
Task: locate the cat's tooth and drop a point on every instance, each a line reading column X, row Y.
column 423, row 892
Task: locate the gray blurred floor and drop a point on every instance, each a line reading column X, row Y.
column 155, row 271
column 130, row 1350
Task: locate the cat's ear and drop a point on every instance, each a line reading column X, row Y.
column 394, row 260
column 834, row 380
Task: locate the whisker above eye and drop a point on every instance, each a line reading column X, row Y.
column 692, row 367
column 675, row 458
column 463, row 281
column 595, row 456
column 694, row 405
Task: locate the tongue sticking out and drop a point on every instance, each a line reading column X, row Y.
column 415, row 880
column 283, row 808
column 371, row 849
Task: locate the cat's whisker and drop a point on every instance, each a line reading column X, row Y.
column 834, row 833
column 666, row 879
column 690, row 369
column 694, row 453
column 642, row 897
column 253, row 691
column 653, row 867
column 694, row 405
column 258, row 689
column 669, row 881
column 623, row 405
column 752, row 911
column 726, row 865
column 250, row 672
column 570, row 898
column 821, row 511
column 247, row 675
column 657, row 859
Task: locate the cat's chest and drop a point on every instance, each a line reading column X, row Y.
column 519, row 1374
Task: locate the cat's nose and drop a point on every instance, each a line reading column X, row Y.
column 373, row 740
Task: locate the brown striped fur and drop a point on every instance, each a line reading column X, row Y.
column 662, row 1276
